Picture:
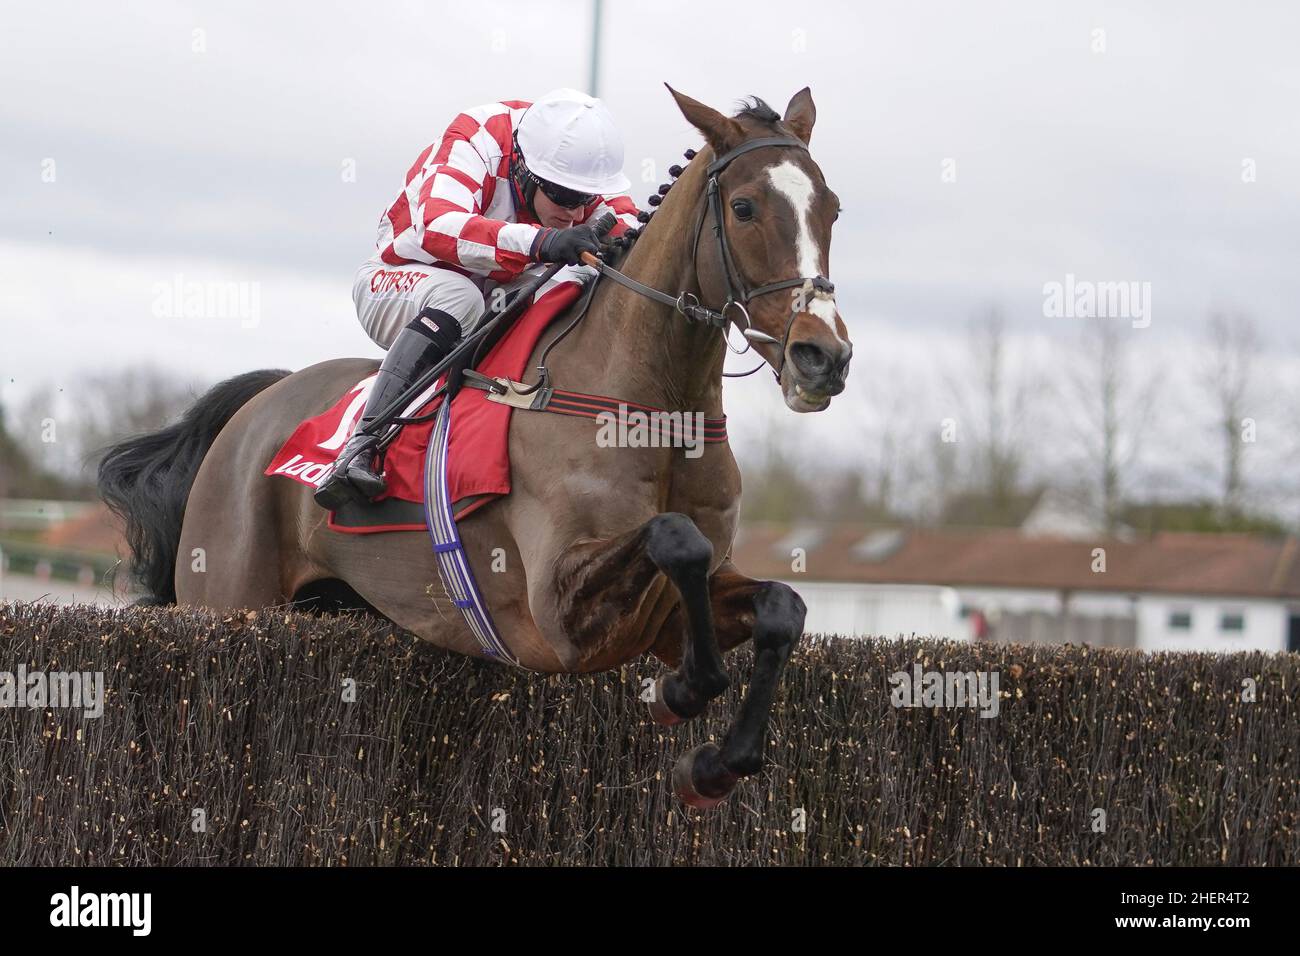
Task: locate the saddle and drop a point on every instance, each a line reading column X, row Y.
column 478, row 469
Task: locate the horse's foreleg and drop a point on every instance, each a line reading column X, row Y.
column 773, row 614
column 677, row 548
column 600, row 583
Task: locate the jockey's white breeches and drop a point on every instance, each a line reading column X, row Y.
column 389, row 297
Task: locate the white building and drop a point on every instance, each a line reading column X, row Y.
column 1169, row 591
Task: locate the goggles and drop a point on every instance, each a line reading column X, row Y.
column 562, row 196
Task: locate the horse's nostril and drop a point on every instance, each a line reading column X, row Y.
column 810, row 359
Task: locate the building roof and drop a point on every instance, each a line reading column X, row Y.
column 1175, row 563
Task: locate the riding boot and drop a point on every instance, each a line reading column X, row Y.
column 424, row 342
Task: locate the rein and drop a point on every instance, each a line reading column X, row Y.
column 688, row 305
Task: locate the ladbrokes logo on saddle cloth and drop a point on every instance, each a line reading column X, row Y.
column 477, row 456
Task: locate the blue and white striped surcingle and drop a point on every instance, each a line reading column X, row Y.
column 453, row 566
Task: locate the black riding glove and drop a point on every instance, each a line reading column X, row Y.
column 566, row 245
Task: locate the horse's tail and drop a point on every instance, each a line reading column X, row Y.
column 146, row 480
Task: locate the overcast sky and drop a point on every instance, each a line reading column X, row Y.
column 147, row 143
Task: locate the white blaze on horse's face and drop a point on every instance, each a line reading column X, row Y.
column 797, row 187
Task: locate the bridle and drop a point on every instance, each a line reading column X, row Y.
column 688, row 305
column 738, row 296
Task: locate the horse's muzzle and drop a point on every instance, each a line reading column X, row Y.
column 819, row 368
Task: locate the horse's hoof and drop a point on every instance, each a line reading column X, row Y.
column 660, row 712
column 699, row 778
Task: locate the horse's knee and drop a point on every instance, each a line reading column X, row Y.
column 779, row 616
column 677, row 546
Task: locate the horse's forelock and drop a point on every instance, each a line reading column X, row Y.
column 754, row 108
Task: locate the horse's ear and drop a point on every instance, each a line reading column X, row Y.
column 800, row 114
column 721, row 132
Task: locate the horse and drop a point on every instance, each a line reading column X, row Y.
column 608, row 555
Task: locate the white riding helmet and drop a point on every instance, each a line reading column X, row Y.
column 569, row 138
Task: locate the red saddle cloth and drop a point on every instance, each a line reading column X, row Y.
column 478, row 460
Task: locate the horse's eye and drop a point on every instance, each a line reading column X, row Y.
column 837, row 213
column 743, row 209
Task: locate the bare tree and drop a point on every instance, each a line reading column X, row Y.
column 64, row 429
column 892, row 429
column 1109, row 405
column 942, row 478
column 1233, row 345
column 776, row 485
column 997, row 399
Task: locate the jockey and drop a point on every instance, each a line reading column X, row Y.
column 510, row 185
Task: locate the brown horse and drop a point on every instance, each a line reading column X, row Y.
column 608, row 553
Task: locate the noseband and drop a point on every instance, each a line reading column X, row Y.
column 738, row 297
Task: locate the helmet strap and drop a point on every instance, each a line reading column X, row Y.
column 525, row 188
